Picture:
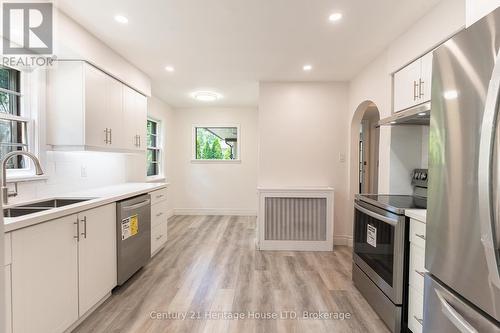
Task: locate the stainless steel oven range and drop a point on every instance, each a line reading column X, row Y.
column 380, row 254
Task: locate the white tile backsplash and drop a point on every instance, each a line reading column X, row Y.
column 72, row 171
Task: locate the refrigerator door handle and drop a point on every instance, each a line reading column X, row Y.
column 456, row 319
column 488, row 225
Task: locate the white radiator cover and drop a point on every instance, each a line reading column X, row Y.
column 295, row 219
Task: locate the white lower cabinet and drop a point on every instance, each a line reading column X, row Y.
column 159, row 211
column 96, row 255
column 45, row 276
column 416, row 276
column 61, row 268
column 8, row 300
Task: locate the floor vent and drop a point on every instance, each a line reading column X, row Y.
column 296, row 219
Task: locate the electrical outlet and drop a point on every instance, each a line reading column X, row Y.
column 83, row 171
column 341, row 157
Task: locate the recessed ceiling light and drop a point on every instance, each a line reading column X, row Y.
column 206, row 96
column 450, row 94
column 421, row 114
column 121, row 19
column 335, row 17
column 170, row 69
column 393, row 122
column 307, row 68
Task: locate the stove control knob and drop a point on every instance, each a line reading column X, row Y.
column 423, row 176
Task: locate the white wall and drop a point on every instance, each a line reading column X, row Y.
column 72, row 41
column 374, row 84
column 215, row 187
column 476, row 9
column 302, row 133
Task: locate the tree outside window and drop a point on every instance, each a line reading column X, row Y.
column 216, row 143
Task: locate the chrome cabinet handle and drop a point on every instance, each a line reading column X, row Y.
column 77, row 237
column 106, row 136
column 110, row 136
column 420, row 236
column 159, row 237
column 84, row 233
column 139, row 137
column 420, row 321
column 159, row 214
column 159, row 196
column 422, row 274
column 421, row 88
column 415, row 86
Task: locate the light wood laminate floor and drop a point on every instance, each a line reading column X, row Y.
column 210, row 267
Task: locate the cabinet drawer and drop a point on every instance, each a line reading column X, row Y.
column 417, row 233
column 8, row 248
column 417, row 260
column 158, row 196
column 415, row 311
column 158, row 213
column 158, row 237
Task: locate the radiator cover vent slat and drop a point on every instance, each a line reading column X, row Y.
column 299, row 219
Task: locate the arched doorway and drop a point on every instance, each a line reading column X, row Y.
column 365, row 136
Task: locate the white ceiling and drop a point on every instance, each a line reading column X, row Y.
column 230, row 45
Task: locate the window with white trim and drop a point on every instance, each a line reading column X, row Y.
column 153, row 148
column 13, row 122
column 216, row 143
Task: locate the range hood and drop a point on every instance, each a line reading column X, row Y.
column 417, row 115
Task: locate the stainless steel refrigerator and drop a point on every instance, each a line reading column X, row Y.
column 462, row 289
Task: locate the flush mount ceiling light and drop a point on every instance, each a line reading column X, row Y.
column 450, row 94
column 307, row 68
column 335, row 17
column 421, row 114
column 170, row 69
column 206, row 96
column 121, row 19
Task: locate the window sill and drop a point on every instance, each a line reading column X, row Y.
column 155, row 179
column 216, row 161
column 25, row 178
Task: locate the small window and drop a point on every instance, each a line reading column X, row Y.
column 153, row 148
column 13, row 126
column 216, row 143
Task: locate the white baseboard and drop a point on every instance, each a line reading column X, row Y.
column 212, row 211
column 343, row 240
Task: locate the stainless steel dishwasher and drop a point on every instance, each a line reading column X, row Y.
column 133, row 235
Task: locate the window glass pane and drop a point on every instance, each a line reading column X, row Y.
column 216, row 143
column 153, row 169
column 9, row 78
column 13, row 136
column 152, row 141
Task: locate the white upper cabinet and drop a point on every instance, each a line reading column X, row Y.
column 88, row 109
column 412, row 84
column 135, row 118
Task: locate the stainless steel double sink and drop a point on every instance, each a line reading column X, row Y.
column 40, row 206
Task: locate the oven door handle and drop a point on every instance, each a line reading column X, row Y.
column 388, row 220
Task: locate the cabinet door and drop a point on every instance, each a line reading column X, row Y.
column 130, row 138
column 8, row 300
column 406, row 86
column 114, row 112
column 426, row 78
column 96, row 255
column 141, row 119
column 45, row 277
column 96, row 117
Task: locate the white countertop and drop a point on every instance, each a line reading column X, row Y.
column 417, row 214
column 100, row 196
